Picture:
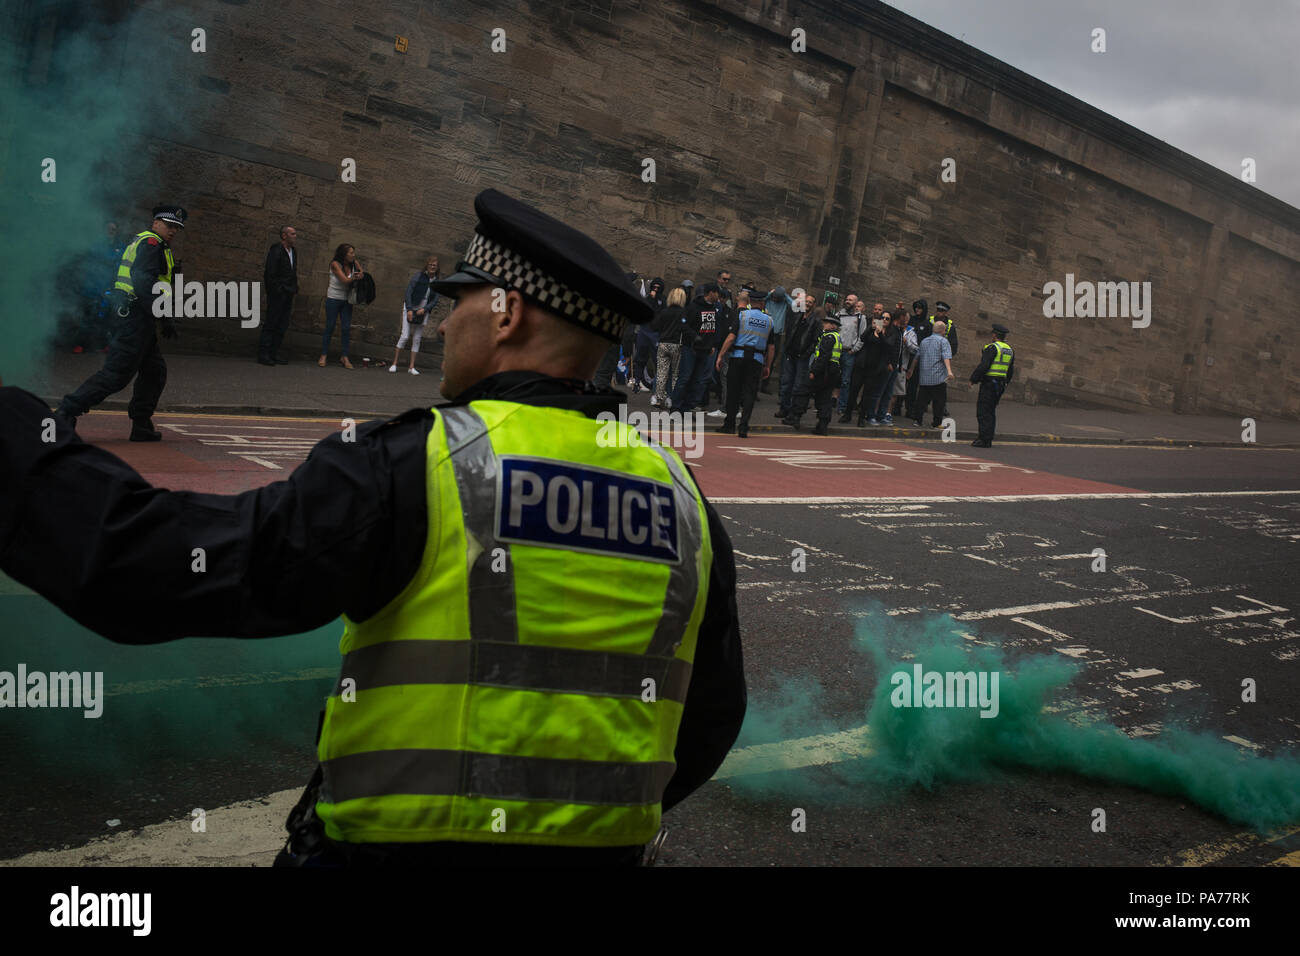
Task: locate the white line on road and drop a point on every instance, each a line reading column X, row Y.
column 1220, row 613
column 1059, row 635
column 1085, row 496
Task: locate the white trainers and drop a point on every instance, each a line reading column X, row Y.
column 717, row 413
column 654, row 400
column 392, row 368
column 413, row 371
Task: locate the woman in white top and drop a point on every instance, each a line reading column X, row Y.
column 339, row 299
column 416, row 307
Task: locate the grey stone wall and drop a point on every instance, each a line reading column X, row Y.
column 784, row 167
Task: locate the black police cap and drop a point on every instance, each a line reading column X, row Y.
column 941, row 307
column 1000, row 329
column 565, row 271
column 173, row 214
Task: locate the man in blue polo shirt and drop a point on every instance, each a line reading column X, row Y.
column 749, row 348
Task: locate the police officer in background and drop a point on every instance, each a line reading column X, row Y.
column 823, row 375
column 997, row 365
column 541, row 646
column 751, row 361
column 133, row 349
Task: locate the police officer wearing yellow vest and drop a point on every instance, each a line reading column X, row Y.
column 541, row 650
column 823, row 376
column 133, row 349
column 997, row 366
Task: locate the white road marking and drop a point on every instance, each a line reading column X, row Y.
column 261, row 461
column 996, row 499
column 1219, row 615
column 1140, row 672
column 1084, row 602
column 1059, row 635
column 811, row 751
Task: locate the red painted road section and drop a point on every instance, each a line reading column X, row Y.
column 226, row 455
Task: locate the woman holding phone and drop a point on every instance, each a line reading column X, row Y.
column 345, row 271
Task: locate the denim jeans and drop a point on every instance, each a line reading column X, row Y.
column 685, row 384
column 879, row 405
column 339, row 309
column 846, row 379
column 793, row 371
column 705, row 373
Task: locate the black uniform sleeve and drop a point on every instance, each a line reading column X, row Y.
column 986, row 362
column 82, row 528
column 716, row 700
column 952, row 339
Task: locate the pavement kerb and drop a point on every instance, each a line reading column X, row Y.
column 836, row 432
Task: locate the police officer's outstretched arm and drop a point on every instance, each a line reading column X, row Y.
column 716, row 700
column 82, row 528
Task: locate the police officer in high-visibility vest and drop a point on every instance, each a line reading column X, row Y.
column 997, row 365
column 540, row 644
column 823, row 375
column 749, row 348
column 133, row 348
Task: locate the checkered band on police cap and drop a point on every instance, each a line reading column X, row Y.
column 512, row 270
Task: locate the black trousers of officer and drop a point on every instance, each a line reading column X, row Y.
column 821, row 391
column 986, row 407
column 743, row 378
column 132, row 351
column 278, row 310
column 778, row 339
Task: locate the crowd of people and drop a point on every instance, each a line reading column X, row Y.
column 869, row 363
column 707, row 348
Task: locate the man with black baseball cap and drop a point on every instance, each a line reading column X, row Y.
column 541, row 646
column 133, row 348
column 997, row 366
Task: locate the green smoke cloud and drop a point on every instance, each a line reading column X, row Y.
column 200, row 697
column 931, row 747
column 81, row 89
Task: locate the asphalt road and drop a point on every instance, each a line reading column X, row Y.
column 844, row 544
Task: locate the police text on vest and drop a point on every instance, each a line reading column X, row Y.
column 554, row 504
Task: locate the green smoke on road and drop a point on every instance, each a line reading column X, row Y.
column 935, row 746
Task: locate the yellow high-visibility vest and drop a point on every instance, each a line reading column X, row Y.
column 528, row 683
column 1001, row 362
column 123, row 282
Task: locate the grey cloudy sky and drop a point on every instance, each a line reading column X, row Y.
column 1215, row 78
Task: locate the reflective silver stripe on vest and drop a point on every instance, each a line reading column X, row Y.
column 449, row 772
column 683, row 580
column 491, row 593
column 521, row 666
